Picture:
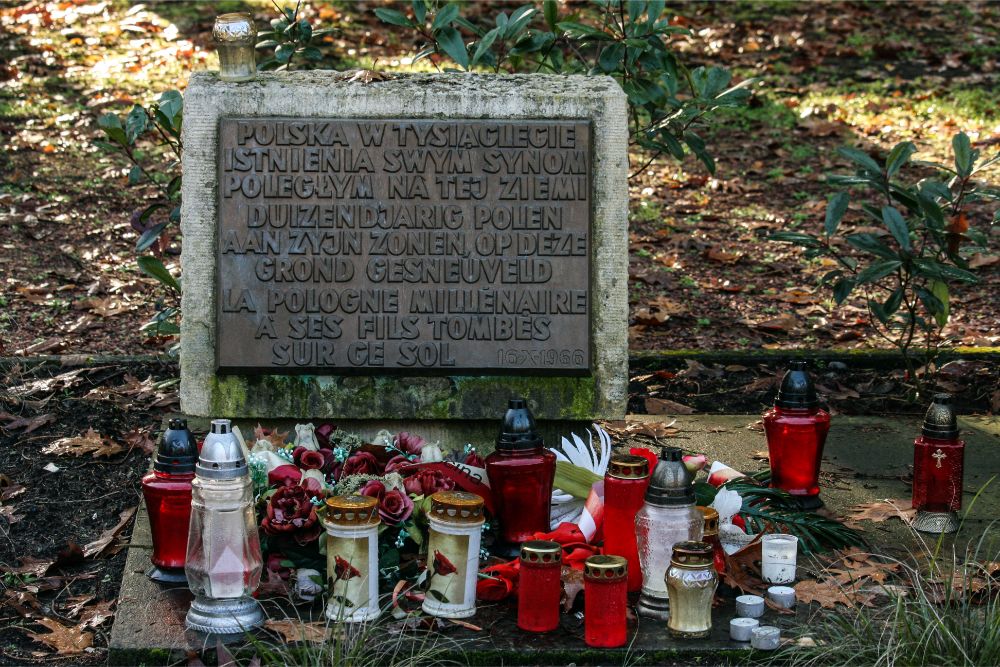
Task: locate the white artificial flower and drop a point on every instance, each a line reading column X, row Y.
column 431, row 453
column 307, row 584
column 313, row 474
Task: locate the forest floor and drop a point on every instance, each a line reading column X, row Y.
column 702, row 274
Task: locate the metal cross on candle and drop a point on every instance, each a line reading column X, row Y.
column 938, row 456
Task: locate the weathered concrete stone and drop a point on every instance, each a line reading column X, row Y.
column 600, row 393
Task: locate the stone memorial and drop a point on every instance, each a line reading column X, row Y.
column 422, row 247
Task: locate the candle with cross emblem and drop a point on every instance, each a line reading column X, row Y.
column 938, row 457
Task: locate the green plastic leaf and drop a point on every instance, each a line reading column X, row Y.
column 835, row 211
column 898, row 156
column 550, row 9
column 963, row 154
column 877, row 271
column 940, row 292
column 451, row 43
column 393, row 17
column 574, row 480
column 154, row 268
column 445, row 16
column 860, row 158
column 894, row 221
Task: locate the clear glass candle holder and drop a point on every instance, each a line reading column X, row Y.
column 779, row 555
column 235, row 38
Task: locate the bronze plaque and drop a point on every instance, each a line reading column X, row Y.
column 403, row 245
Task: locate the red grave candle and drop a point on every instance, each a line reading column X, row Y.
column 796, row 431
column 540, row 586
column 521, row 471
column 167, row 490
column 938, row 460
column 605, row 592
column 624, row 493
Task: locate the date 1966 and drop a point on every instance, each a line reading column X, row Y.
column 555, row 358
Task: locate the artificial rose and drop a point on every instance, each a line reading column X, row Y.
column 575, row 555
column 694, row 462
column 290, row 513
column 720, row 473
column 329, row 461
column 409, row 443
column 284, row 475
column 323, row 432
column 396, row 462
column 426, row 482
column 395, row 507
column 500, row 582
column 431, row 453
column 565, row 533
column 372, row 489
column 360, row 463
column 274, row 565
column 647, row 454
column 313, row 482
column 474, row 459
column 573, row 542
column 442, row 566
column 308, row 459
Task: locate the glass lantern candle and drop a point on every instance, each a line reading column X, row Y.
column 351, row 524
column 692, row 581
column 521, row 472
column 235, row 38
column 224, row 563
column 539, row 586
column 456, row 521
column 710, row 536
column 668, row 516
column 796, row 431
column 624, row 493
column 779, row 554
column 605, row 598
column 167, row 491
column 938, row 463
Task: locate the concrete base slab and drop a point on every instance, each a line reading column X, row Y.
column 865, row 460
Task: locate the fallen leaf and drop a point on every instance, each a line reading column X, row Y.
column 65, row 640
column 29, row 424
column 34, row 567
column 572, row 586
column 828, row 594
column 742, row 571
column 781, row 324
column 76, row 604
column 465, row 624
column 46, row 385
column 798, row 296
column 96, row 615
column 298, row 631
column 882, row 510
column 98, row 546
column 274, row 436
column 723, row 256
column 140, row 439
column 762, row 455
column 661, row 406
column 91, row 442
column 368, row 76
column 979, row 260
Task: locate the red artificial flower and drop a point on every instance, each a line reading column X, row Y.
column 360, row 463
column 574, row 544
column 565, row 533
column 312, row 486
column 286, row 475
column 427, row 482
column 575, row 555
column 442, row 565
column 308, row 459
column 396, row 462
column 474, row 459
column 274, row 565
column 290, row 512
column 342, row 570
column 323, row 432
column 647, row 454
column 409, row 443
column 395, row 507
column 500, row 582
column 372, row 489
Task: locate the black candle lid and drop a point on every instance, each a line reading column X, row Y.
column 671, row 482
column 797, row 389
column 178, row 451
column 518, row 432
column 940, row 421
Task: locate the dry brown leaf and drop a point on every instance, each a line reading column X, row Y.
column 45, row 385
column 274, row 436
column 76, row 604
column 98, row 546
column 828, row 594
column 140, row 439
column 466, row 625
column 35, row 567
column 781, row 324
column 762, row 455
column 65, row 640
column 882, row 510
column 91, row 442
column 979, row 260
column 798, row 296
column 742, row 571
column 877, row 572
column 723, row 256
column 297, row 631
column 29, row 424
column 662, row 406
column 96, row 615
column 572, row 586
column 368, row 76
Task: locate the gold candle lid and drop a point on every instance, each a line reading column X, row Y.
column 457, row 506
column 236, row 28
column 711, row 520
column 544, row 552
column 605, row 568
column 352, row 510
column 628, row 466
column 691, row 555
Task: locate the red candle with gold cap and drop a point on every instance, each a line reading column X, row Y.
column 624, row 493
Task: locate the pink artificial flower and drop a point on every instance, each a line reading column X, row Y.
column 409, row 443
column 308, row 459
column 291, row 513
column 360, row 463
column 284, row 475
column 396, row 462
column 426, row 482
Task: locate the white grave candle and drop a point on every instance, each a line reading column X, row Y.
column 741, row 629
column 779, row 556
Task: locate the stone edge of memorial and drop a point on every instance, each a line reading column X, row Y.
column 602, row 394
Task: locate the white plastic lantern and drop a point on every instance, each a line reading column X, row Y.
column 224, row 562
